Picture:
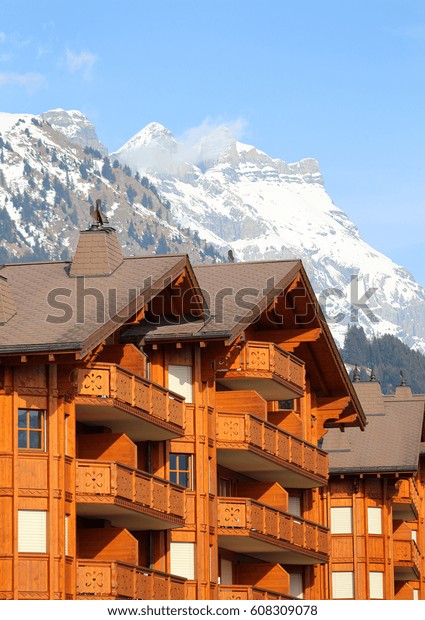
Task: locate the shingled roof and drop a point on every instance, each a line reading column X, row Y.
column 56, row 312
column 392, row 440
column 235, row 294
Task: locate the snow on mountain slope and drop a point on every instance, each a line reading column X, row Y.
column 263, row 208
column 47, row 182
column 75, row 126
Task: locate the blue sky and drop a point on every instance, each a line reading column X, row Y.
column 339, row 80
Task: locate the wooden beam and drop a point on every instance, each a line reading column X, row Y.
column 332, row 403
column 282, row 336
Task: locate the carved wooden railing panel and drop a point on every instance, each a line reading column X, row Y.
column 264, row 357
column 244, row 428
column 103, row 579
column 96, row 478
column 249, row 593
column 406, row 553
column 256, row 517
column 112, row 381
column 407, row 493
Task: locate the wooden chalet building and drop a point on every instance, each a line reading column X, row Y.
column 376, row 496
column 161, row 428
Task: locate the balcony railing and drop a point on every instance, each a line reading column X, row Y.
column 243, row 519
column 407, row 559
column 302, row 464
column 264, row 367
column 105, row 483
column 111, row 385
column 249, row 593
column 99, row 579
column 406, row 500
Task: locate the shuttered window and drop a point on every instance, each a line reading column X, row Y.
column 296, row 585
column 182, row 556
column 180, row 381
column 343, row 585
column 376, row 584
column 374, row 520
column 67, row 517
column 294, row 505
column 342, row 520
column 32, row 531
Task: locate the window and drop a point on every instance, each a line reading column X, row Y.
column 226, row 572
column 181, row 470
column 32, row 531
column 374, row 520
column 31, row 429
column 296, row 585
column 180, row 381
column 286, row 404
column 342, row 520
column 182, row 555
column 343, row 585
column 294, row 505
column 66, row 532
column 225, row 487
column 376, row 585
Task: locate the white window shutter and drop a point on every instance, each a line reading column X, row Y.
column 182, row 556
column 415, row 536
column 374, row 520
column 416, row 595
column 294, row 505
column 376, row 584
column 66, row 531
column 180, row 381
column 341, row 520
column 32, row 526
column 296, row 585
column 342, row 585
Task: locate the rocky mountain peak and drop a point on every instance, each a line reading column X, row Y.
column 75, row 126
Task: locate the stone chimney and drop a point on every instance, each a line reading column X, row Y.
column 98, row 251
column 7, row 301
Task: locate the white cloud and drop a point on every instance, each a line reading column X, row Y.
column 80, row 62
column 206, row 141
column 30, row 81
column 2, row 37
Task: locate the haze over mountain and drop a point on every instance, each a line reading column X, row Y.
column 228, row 194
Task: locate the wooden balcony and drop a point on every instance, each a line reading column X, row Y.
column 98, row 579
column 265, row 368
column 128, row 497
column 254, row 447
column 407, row 560
column 249, row 593
column 405, row 502
column 265, row 533
column 112, row 396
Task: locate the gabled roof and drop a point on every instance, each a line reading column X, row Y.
column 56, row 312
column 391, row 441
column 235, row 294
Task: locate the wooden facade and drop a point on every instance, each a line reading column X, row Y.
column 376, row 497
column 155, row 456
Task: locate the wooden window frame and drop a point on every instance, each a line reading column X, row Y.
column 179, row 471
column 28, row 429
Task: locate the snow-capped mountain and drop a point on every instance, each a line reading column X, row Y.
column 47, row 181
column 76, row 127
column 226, row 193
column 236, row 196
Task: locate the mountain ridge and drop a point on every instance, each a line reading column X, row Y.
column 203, row 196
